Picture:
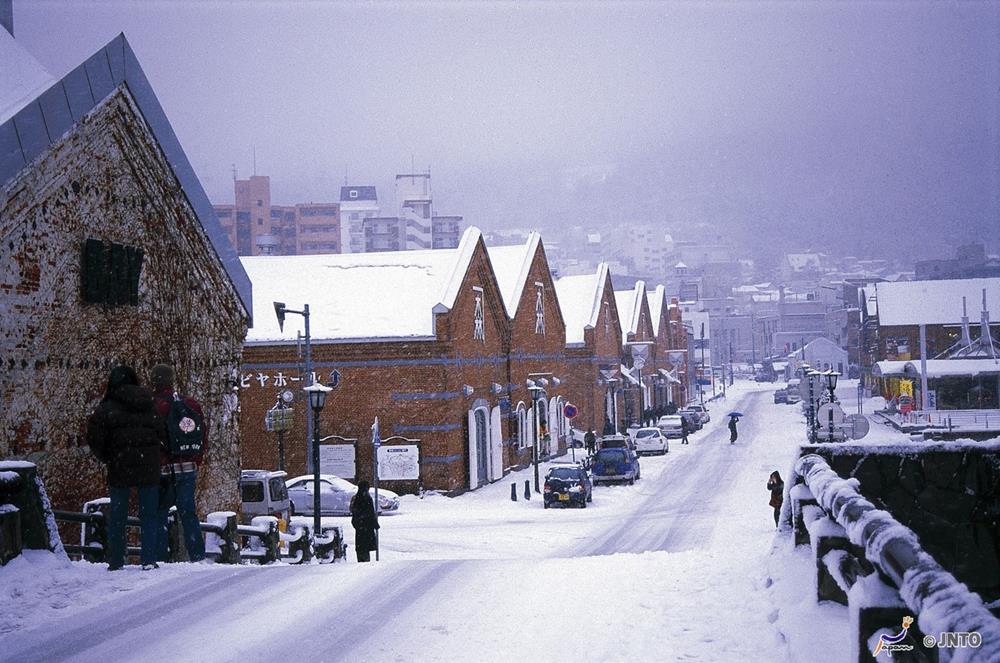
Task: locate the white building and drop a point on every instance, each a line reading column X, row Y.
column 357, row 203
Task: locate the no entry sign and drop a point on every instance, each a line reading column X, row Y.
column 570, row 411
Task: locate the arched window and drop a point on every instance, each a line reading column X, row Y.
column 522, row 426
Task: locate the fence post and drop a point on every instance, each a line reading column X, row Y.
column 302, row 544
column 271, row 541
column 229, row 537
column 96, row 531
column 527, row 489
column 513, row 491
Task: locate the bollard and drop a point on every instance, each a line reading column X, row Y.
column 527, row 489
column 513, row 491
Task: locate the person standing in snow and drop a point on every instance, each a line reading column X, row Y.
column 364, row 521
column 777, row 488
column 178, row 472
column 733, row 420
column 590, row 441
column 126, row 434
column 684, row 430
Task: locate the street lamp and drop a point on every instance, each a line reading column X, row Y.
column 279, row 420
column 317, row 399
column 280, row 310
column 831, row 384
column 537, row 393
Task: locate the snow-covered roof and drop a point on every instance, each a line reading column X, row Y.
column 43, row 120
column 949, row 368
column 511, row 265
column 593, row 238
column 22, row 77
column 359, row 296
column 360, row 193
column 887, row 368
column 580, row 301
column 629, row 304
column 656, row 300
column 803, row 261
column 933, row 302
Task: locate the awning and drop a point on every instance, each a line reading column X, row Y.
column 888, row 369
column 670, row 375
column 952, row 368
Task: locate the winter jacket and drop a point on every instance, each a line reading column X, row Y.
column 364, row 521
column 161, row 401
column 126, row 434
column 777, row 489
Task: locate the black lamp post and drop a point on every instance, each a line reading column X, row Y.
column 831, row 384
column 317, row 399
column 280, row 310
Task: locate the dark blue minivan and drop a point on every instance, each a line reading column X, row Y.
column 615, row 465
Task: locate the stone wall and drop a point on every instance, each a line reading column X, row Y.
column 107, row 179
column 947, row 493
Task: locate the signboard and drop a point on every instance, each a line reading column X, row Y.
column 906, row 388
column 858, row 426
column 398, row 462
column 278, row 419
column 337, row 459
column 570, row 411
column 931, row 400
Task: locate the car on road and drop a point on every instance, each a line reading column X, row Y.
column 693, row 419
column 334, row 496
column 780, row 396
column 615, row 465
column 263, row 493
column 616, row 441
column 568, row 484
column 671, row 425
column 792, row 396
column 701, row 411
column 653, row 440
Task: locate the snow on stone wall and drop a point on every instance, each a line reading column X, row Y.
column 108, row 180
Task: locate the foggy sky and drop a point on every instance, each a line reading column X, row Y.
column 832, row 123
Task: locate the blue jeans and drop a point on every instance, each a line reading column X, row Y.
column 178, row 490
column 117, row 519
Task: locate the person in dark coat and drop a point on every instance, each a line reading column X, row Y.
column 126, row 434
column 364, row 521
column 590, row 441
column 685, row 429
column 609, row 428
column 733, row 420
column 777, row 488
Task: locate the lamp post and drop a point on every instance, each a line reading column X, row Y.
column 701, row 387
column 279, row 420
column 280, row 310
column 537, row 393
column 831, row 384
column 317, row 399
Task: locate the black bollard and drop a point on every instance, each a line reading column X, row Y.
column 527, row 489
column 513, row 491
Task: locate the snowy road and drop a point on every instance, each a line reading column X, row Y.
column 673, row 567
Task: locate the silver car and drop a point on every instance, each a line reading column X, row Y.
column 334, row 496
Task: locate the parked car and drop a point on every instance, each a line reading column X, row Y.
column 615, row 465
column 701, row 411
column 568, row 484
column 334, row 496
column 792, row 396
column 780, row 396
column 653, row 440
column 693, row 419
column 616, row 441
column 263, row 493
column 670, row 424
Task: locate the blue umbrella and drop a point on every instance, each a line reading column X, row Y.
column 735, row 414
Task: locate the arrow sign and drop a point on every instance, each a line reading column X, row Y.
column 570, row 411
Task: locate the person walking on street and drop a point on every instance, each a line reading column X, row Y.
column 777, row 488
column 126, row 434
column 590, row 441
column 733, row 420
column 684, row 430
column 364, row 521
column 180, row 458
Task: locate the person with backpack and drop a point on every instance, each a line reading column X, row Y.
column 126, row 434
column 590, row 442
column 180, row 458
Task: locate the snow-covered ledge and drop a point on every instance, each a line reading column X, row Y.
column 941, row 603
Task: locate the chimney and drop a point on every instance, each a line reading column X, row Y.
column 7, row 15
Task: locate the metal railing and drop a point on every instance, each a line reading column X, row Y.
column 859, row 547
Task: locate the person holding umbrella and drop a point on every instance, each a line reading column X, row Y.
column 734, row 418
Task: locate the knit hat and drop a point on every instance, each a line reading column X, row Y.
column 162, row 375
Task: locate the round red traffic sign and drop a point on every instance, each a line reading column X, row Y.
column 570, row 411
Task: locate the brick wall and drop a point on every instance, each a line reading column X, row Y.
column 108, row 180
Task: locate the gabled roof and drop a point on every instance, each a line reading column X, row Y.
column 511, row 265
column 46, row 118
column 629, row 303
column 656, row 300
column 22, row 77
column 580, row 301
column 359, row 296
column 932, row 302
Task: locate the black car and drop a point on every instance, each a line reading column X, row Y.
column 780, row 396
column 569, row 485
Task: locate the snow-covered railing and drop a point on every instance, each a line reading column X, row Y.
column 962, row 421
column 841, row 524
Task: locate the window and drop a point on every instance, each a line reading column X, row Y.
column 110, row 273
column 260, row 203
column 279, row 493
column 607, row 319
column 522, row 426
column 353, row 193
column 260, row 221
column 252, row 491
